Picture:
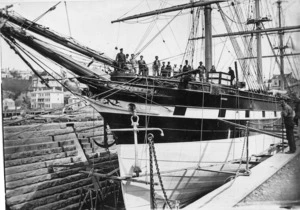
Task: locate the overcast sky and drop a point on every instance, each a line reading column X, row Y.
column 90, row 24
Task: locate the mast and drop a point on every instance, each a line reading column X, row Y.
column 251, row 32
column 281, row 47
column 208, row 39
column 170, row 9
column 258, row 43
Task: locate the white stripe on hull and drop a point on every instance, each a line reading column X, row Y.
column 191, row 112
column 185, row 184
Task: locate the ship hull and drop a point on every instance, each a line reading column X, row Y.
column 178, row 163
column 181, row 124
column 195, row 137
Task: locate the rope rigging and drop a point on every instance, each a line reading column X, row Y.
column 69, row 26
column 43, row 14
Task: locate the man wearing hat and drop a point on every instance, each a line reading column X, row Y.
column 287, row 117
column 121, row 59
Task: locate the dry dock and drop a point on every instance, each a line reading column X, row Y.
column 273, row 184
column 43, row 164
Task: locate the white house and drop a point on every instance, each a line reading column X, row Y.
column 8, row 104
column 43, row 97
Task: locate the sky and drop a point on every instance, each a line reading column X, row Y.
column 90, row 24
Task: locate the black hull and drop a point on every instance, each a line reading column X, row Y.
column 176, row 129
column 198, row 95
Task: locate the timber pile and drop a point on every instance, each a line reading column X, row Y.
column 42, row 167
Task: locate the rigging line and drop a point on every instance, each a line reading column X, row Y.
column 294, row 61
column 122, row 84
column 65, row 49
column 57, row 80
column 30, row 55
column 149, row 29
column 43, row 14
column 151, row 40
column 175, row 38
column 11, row 44
column 154, row 22
column 291, row 66
column 68, row 18
column 130, row 10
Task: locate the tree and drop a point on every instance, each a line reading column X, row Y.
column 15, row 74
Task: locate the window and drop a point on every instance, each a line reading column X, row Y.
column 247, row 114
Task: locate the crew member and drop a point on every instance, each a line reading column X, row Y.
column 232, row 76
column 186, row 67
column 201, row 71
column 180, row 69
column 213, row 69
column 142, row 66
column 168, row 69
column 287, row 116
column 162, row 70
column 156, row 66
column 121, row 59
column 134, row 63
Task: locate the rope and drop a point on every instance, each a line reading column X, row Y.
column 42, row 15
column 151, row 40
column 68, row 18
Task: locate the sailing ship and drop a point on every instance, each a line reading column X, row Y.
column 205, row 124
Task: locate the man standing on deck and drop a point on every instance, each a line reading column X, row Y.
column 121, row 59
column 186, row 67
column 142, row 66
column 232, row 76
column 287, row 117
column 168, row 69
column 201, row 71
column 133, row 63
column 156, row 66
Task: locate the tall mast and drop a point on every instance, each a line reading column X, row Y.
column 258, row 43
column 281, row 47
column 170, row 9
column 208, row 38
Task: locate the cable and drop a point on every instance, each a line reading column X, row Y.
column 68, row 18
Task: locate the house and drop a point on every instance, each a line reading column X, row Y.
column 75, row 103
column 5, row 73
column 275, row 82
column 43, row 97
column 8, row 104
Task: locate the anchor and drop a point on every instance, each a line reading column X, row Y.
column 135, row 129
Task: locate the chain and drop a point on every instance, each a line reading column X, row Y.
column 158, row 173
column 152, row 191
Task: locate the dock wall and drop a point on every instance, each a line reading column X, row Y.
column 42, row 167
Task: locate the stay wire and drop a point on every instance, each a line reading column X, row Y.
column 43, row 14
column 69, row 26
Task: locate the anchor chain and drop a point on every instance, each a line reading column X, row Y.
column 152, row 190
column 151, row 143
